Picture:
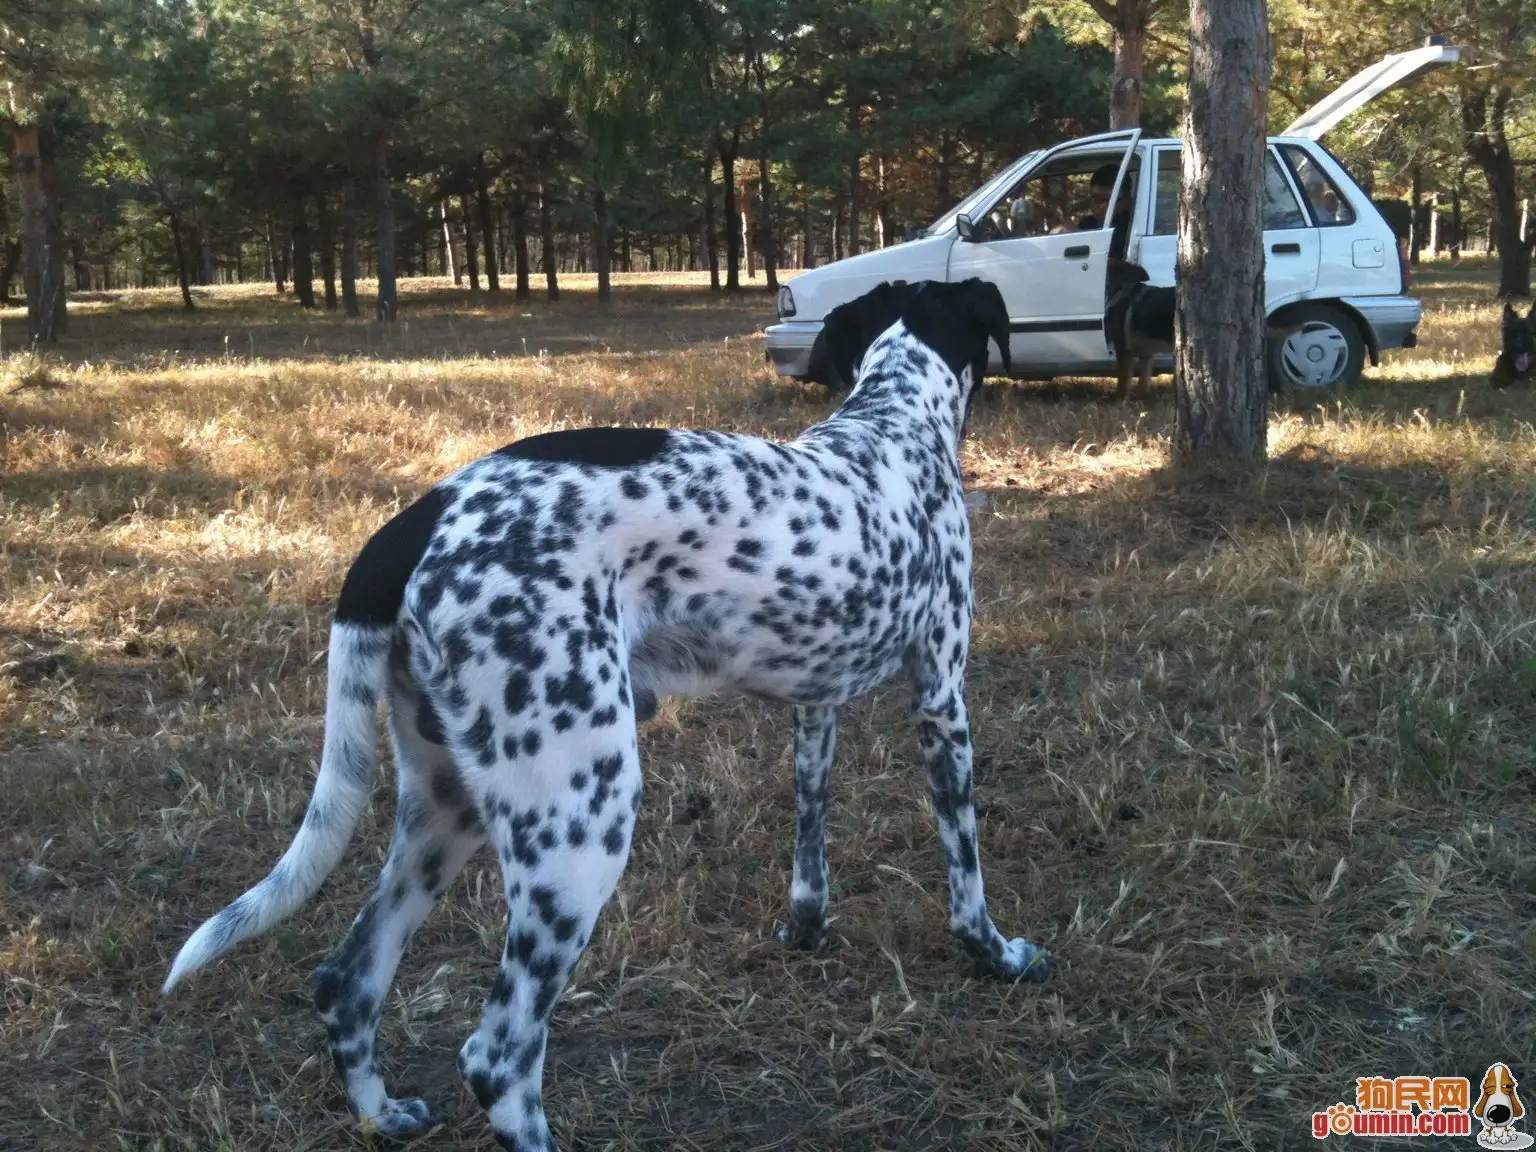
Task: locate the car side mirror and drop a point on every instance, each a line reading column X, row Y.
column 965, row 227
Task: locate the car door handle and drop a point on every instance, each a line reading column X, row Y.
column 1076, row 252
column 1286, row 249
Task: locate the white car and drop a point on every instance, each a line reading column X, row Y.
column 1334, row 276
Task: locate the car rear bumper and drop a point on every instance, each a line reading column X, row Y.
column 789, row 346
column 1392, row 320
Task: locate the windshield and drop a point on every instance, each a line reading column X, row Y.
column 981, row 196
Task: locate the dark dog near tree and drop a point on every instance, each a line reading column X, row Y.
column 1518, row 355
column 1138, row 323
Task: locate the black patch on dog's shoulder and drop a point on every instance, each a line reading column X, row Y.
column 375, row 584
column 600, row 447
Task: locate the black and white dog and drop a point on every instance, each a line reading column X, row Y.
column 526, row 612
column 1517, row 354
column 1138, row 323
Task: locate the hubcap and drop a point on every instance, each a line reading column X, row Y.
column 1316, row 356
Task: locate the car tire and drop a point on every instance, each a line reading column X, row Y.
column 1326, row 351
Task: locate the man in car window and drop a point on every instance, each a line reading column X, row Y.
column 1100, row 185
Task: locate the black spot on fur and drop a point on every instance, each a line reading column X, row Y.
column 600, row 447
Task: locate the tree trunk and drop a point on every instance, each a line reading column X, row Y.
column 471, row 255
column 1416, row 216
column 451, row 265
column 854, row 161
column 882, row 206
column 767, row 235
column 183, row 270
column 327, row 249
column 711, row 244
column 808, row 237
column 732, row 214
column 278, row 272
column 602, row 257
column 520, row 241
column 1129, row 19
column 1484, row 115
column 349, row 248
column 207, row 272
column 1456, row 214
column 8, row 270
column 41, row 246
column 303, row 265
column 1221, row 394
column 487, row 232
column 389, row 295
column 547, row 242
column 946, row 164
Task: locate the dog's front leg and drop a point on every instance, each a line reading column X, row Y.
column 815, row 741
column 945, row 735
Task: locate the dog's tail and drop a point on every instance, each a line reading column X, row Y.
column 357, row 670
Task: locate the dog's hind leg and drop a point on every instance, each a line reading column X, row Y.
column 815, row 740
column 1123, row 368
column 437, row 829
column 561, row 819
column 945, row 736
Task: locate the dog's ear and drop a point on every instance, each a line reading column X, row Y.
column 843, row 340
column 991, row 313
column 1511, row 317
column 1530, row 317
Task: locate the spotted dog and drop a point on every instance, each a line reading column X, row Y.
column 1517, row 356
column 526, row 612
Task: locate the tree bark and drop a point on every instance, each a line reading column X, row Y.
column 325, row 235
column 303, row 265
column 487, row 232
column 279, row 273
column 602, row 257
column 1484, row 115
column 183, row 271
column 1220, row 391
column 41, row 243
column 471, row 255
column 732, row 214
column 388, row 307
column 854, row 162
column 547, row 242
column 1416, row 219
column 520, row 241
column 1129, row 20
column 711, row 243
column 349, row 248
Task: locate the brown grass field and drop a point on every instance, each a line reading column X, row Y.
column 1255, row 760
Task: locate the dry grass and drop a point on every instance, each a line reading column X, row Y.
column 1256, row 761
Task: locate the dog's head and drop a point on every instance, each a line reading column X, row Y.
column 849, row 329
column 1499, row 1104
column 1517, row 356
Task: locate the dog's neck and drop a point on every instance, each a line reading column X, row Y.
column 909, row 391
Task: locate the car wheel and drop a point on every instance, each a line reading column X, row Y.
column 1323, row 349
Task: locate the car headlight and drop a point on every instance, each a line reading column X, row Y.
column 786, row 302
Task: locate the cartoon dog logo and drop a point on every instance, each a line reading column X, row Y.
column 1499, row 1109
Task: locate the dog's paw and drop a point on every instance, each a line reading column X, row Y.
column 1022, row 960
column 804, row 935
column 401, row 1118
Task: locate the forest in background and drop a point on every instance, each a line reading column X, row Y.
column 313, row 143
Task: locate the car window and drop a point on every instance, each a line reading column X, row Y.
column 1281, row 209
column 1330, row 207
column 1058, row 198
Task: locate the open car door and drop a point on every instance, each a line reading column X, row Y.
column 1050, row 271
column 1369, row 83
